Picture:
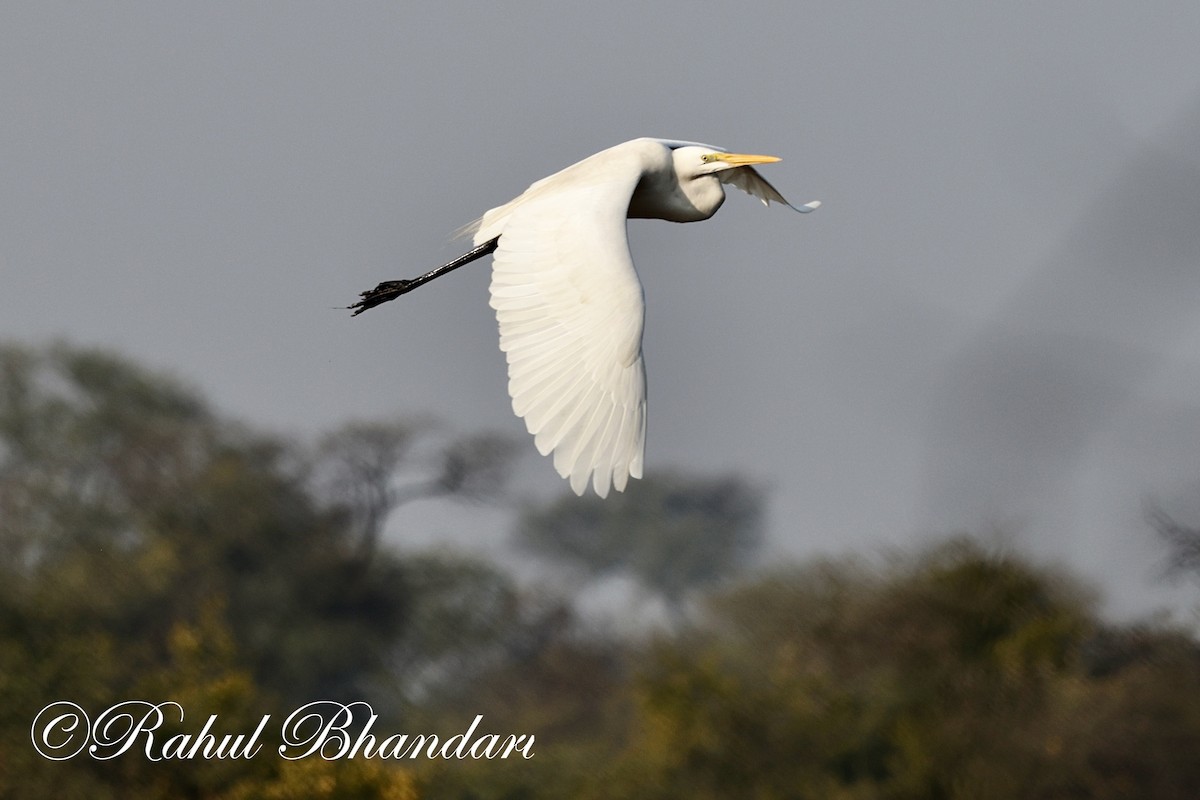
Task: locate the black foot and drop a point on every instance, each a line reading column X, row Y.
column 388, row 290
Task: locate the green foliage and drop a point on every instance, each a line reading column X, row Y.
column 571, row 690
column 961, row 674
column 153, row 551
column 314, row 779
column 465, row 615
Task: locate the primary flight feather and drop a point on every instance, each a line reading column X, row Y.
column 568, row 300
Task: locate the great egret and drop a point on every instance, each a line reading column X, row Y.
column 569, row 302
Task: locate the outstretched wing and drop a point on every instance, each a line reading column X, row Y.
column 749, row 181
column 570, row 309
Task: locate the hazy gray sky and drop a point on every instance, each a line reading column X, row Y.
column 991, row 324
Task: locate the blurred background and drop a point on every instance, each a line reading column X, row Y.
column 922, row 496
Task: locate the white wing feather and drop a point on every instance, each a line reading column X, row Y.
column 570, row 309
column 749, row 181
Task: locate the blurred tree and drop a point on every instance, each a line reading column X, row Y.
column 357, row 466
column 134, row 521
column 960, row 674
column 466, row 616
column 150, row 549
column 368, row 469
column 1182, row 541
column 549, row 677
column 671, row 533
column 124, row 500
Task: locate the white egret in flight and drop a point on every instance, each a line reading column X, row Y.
column 569, row 302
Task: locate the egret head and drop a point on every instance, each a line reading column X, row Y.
column 694, row 160
column 691, row 190
column 717, row 162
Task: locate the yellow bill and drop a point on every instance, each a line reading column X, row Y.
column 744, row 159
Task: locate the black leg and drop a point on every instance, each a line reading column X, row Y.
column 390, row 290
